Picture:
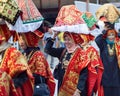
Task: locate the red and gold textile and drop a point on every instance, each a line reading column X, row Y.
column 76, row 37
column 70, row 19
column 32, row 38
column 39, row 65
column 30, row 11
column 69, row 15
column 9, row 11
column 95, row 71
column 117, row 48
column 70, row 80
column 6, row 85
column 5, row 32
column 87, row 37
column 14, row 63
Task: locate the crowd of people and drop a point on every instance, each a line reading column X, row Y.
column 82, row 70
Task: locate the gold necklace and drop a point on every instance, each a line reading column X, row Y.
column 111, row 51
column 66, row 62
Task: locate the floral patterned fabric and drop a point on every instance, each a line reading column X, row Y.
column 9, row 11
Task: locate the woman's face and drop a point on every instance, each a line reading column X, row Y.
column 68, row 41
column 22, row 43
column 111, row 36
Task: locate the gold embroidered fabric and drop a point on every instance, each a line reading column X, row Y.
column 109, row 11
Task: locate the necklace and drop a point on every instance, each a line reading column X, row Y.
column 111, row 51
column 66, row 59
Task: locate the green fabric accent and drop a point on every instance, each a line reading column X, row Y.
column 33, row 20
column 89, row 21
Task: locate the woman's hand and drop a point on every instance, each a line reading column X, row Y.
column 55, row 34
column 77, row 92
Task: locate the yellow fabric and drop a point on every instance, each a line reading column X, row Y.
column 60, row 36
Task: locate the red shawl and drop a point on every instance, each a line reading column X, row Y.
column 95, row 71
column 39, row 65
column 14, row 63
column 78, row 62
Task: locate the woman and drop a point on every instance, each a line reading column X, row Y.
column 73, row 66
column 109, row 53
column 14, row 64
column 6, row 83
column 29, row 42
column 95, row 67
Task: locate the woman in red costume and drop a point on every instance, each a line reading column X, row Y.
column 14, row 64
column 6, row 85
column 39, row 66
column 95, row 67
column 72, row 74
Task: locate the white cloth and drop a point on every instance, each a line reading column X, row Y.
column 79, row 28
column 96, row 32
column 20, row 27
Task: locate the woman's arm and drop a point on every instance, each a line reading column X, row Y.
column 55, row 52
column 100, row 41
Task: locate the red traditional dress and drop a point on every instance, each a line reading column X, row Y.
column 6, row 85
column 14, row 63
column 78, row 62
column 39, row 65
column 36, row 60
column 95, row 70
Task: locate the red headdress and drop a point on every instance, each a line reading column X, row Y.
column 87, row 37
column 32, row 38
column 75, row 37
column 5, row 33
column 70, row 19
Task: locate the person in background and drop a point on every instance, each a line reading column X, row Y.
column 95, row 67
column 6, row 84
column 108, row 43
column 72, row 71
column 38, row 64
column 15, row 65
column 48, row 32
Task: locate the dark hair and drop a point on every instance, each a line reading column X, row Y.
column 109, row 25
column 47, row 24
